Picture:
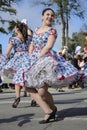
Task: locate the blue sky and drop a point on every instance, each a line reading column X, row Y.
column 32, row 13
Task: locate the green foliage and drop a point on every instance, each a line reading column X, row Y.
column 6, row 6
column 65, row 10
column 78, row 39
column 2, row 30
column 0, row 48
column 11, row 25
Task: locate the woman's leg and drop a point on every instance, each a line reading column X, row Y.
column 49, row 113
column 17, row 92
column 25, row 91
column 42, row 103
column 47, row 96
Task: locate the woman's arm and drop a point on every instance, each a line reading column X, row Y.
column 29, row 32
column 9, row 48
column 49, row 45
column 31, row 47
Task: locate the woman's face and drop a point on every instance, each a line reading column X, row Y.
column 48, row 17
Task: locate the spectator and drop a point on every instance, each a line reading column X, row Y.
column 1, row 85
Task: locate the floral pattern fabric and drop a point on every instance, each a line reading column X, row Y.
column 19, row 62
column 84, row 78
column 51, row 69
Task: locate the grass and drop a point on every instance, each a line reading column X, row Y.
column 6, row 80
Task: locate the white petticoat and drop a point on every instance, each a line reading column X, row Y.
column 44, row 72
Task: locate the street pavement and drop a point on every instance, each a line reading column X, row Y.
column 71, row 114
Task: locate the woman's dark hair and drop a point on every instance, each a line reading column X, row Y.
column 85, row 59
column 23, row 29
column 79, row 57
column 46, row 10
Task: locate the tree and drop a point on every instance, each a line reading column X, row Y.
column 72, row 8
column 78, row 39
column 84, row 28
column 65, row 9
column 6, row 7
column 12, row 25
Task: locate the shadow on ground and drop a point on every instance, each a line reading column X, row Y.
column 71, row 112
column 22, row 119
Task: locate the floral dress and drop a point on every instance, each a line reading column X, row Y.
column 84, row 77
column 19, row 62
column 50, row 69
column 3, row 62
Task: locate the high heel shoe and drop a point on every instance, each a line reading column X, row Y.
column 33, row 103
column 51, row 116
column 16, row 102
column 25, row 94
column 55, row 109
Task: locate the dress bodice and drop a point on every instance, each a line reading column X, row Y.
column 42, row 38
column 19, row 45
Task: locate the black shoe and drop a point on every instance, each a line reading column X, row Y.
column 1, row 91
column 51, row 116
column 25, row 95
column 33, row 103
column 16, row 102
column 55, row 109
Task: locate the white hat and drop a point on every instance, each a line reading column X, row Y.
column 78, row 49
column 24, row 21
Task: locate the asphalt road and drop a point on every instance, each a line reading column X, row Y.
column 71, row 114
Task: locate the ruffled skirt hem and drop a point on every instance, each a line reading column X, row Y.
column 44, row 71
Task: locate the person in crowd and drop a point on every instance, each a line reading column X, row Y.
column 74, row 61
column 84, row 70
column 46, row 68
column 78, row 50
column 80, row 62
column 3, row 61
column 63, row 52
column 20, row 60
column 1, row 85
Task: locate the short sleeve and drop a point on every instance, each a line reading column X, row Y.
column 53, row 32
column 29, row 38
column 12, row 40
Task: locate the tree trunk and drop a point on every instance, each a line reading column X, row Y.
column 63, row 34
column 63, row 24
column 67, row 25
